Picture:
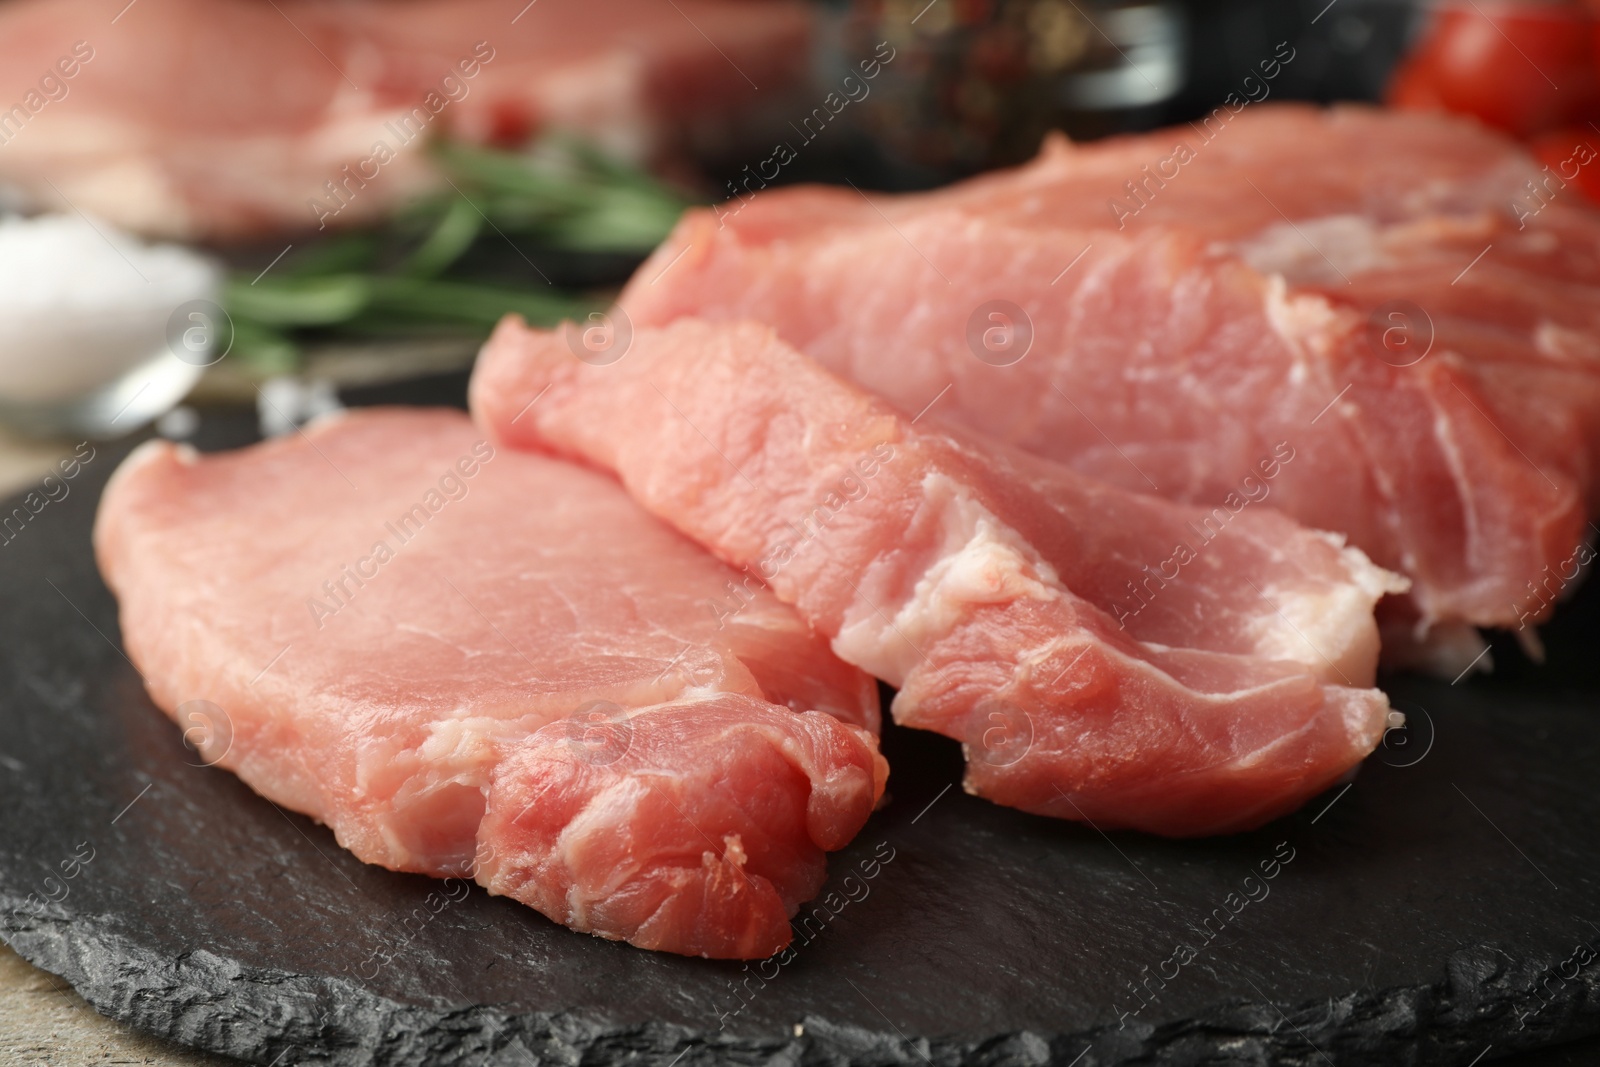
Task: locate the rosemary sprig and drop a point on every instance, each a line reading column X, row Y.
column 566, row 192
column 406, row 276
column 329, row 300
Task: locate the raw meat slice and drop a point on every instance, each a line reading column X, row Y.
column 464, row 659
column 227, row 118
column 1103, row 656
column 703, row 838
column 1243, row 298
column 1298, row 158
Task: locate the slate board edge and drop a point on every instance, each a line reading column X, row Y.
column 207, row 1002
column 267, row 1015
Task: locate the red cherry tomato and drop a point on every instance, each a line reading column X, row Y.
column 1524, row 68
column 510, row 125
column 1573, row 155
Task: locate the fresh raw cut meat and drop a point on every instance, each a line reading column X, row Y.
column 1241, row 291
column 223, row 118
column 1103, row 656
column 464, row 659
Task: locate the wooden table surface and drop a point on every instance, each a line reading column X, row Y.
column 24, row 463
column 42, row 1021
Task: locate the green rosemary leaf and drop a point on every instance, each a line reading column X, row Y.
column 291, row 300
column 264, row 351
column 566, row 192
column 454, row 233
column 338, row 254
column 470, row 303
column 398, row 279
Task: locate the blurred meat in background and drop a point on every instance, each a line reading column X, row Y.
column 373, row 183
column 225, row 118
column 208, row 119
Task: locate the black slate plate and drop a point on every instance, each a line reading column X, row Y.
column 1437, row 910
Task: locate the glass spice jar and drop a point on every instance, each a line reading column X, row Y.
column 976, row 84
